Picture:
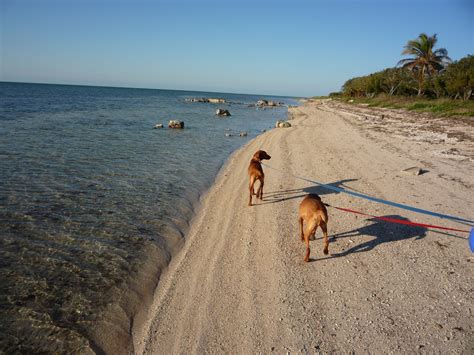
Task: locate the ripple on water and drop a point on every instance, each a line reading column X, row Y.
column 94, row 203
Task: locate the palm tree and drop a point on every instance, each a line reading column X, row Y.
column 425, row 61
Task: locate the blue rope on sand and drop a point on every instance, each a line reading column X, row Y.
column 379, row 200
column 471, row 240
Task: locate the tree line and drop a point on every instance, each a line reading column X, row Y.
column 428, row 72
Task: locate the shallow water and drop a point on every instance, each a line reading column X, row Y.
column 94, row 202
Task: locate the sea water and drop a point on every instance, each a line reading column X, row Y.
column 94, row 202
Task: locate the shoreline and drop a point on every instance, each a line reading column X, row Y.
column 136, row 300
column 140, row 326
column 128, row 316
column 239, row 283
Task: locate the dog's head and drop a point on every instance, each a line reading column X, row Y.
column 261, row 155
column 315, row 196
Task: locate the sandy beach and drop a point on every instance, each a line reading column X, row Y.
column 239, row 285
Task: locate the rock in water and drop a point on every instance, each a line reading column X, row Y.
column 175, row 124
column 222, row 112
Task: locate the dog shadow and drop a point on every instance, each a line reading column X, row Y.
column 284, row 195
column 383, row 232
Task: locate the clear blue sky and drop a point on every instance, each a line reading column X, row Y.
column 299, row 48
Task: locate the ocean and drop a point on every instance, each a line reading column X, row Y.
column 94, row 202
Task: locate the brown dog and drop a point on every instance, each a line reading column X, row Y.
column 313, row 211
column 256, row 173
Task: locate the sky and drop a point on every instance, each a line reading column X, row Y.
column 278, row 47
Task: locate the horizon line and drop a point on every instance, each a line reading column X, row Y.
column 142, row 88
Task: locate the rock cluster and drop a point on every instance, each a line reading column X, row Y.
column 266, row 103
column 206, row 100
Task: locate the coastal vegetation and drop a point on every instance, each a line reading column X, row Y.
column 427, row 81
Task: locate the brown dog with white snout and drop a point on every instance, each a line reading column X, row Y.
column 313, row 212
column 255, row 172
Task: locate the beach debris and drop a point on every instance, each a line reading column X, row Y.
column 175, row 124
column 158, row 125
column 414, row 170
column 222, row 112
column 282, row 124
column 243, row 134
column 210, row 100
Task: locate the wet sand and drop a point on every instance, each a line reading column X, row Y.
column 239, row 285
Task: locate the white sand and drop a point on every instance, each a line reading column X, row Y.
column 240, row 284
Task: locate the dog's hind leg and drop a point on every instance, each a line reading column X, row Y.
column 310, row 230
column 300, row 220
column 324, row 227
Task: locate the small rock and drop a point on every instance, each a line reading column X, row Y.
column 243, row 134
column 413, row 171
column 282, row 124
column 222, row 112
column 175, row 124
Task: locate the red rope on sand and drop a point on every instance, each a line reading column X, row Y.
column 399, row 221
